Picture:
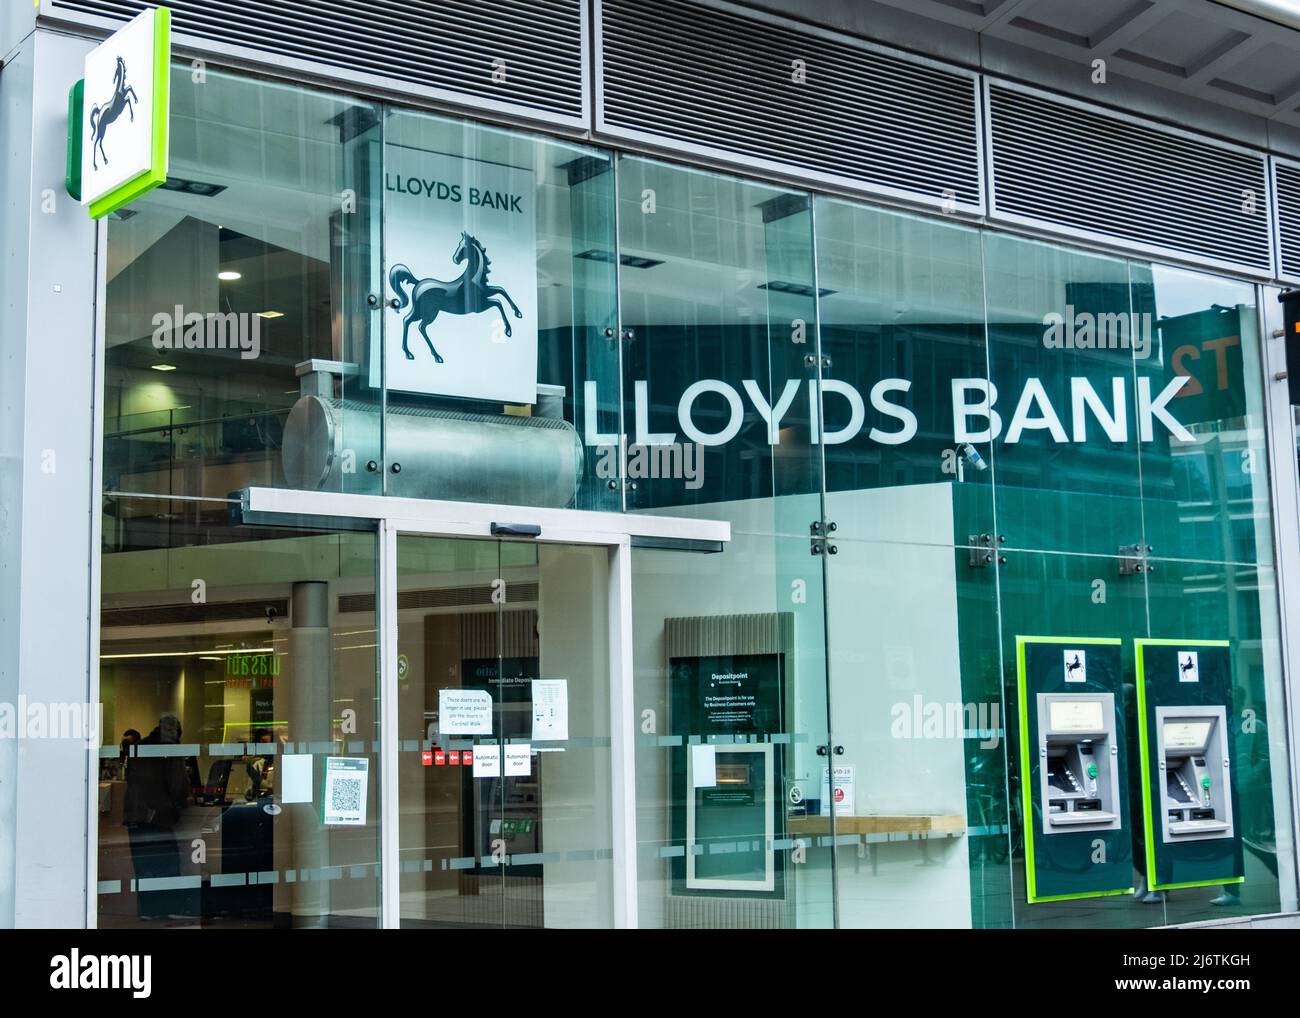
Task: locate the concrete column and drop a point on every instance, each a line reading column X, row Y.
column 48, row 485
column 303, row 700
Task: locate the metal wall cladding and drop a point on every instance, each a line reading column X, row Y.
column 1287, row 180
column 1077, row 170
column 716, row 83
column 713, row 79
column 450, row 46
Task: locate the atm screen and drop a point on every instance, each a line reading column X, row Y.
column 1186, row 734
column 1074, row 715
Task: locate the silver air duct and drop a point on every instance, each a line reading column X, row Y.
column 531, row 461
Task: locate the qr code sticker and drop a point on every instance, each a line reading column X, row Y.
column 345, row 795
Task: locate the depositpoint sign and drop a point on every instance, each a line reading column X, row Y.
column 118, row 116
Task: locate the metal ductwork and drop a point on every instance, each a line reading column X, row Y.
column 440, row 454
column 1283, row 12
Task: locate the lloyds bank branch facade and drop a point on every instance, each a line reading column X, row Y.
column 600, row 463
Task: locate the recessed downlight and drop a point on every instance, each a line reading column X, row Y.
column 163, row 367
column 229, row 276
column 270, row 314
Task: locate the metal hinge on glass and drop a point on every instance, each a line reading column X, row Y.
column 1134, row 559
column 819, row 532
column 981, row 550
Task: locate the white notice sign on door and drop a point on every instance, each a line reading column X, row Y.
column 519, row 760
column 550, row 710
column 464, row 712
column 487, row 760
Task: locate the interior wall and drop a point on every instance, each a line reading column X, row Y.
column 894, row 649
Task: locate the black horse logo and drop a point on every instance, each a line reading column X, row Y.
column 124, row 98
column 1187, row 666
column 467, row 295
column 1073, row 666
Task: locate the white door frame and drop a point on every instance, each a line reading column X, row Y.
column 618, row 532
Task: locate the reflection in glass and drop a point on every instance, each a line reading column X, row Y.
column 237, row 668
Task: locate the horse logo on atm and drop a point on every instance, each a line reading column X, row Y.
column 1189, row 666
column 1076, row 666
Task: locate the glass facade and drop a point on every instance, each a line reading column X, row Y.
column 930, row 441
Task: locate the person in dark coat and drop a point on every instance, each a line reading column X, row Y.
column 156, row 791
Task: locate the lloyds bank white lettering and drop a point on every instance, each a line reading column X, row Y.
column 1106, row 415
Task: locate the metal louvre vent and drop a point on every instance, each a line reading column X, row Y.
column 1073, row 169
column 722, row 82
column 450, row 45
column 1288, row 218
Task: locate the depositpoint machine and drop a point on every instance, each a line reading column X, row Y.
column 1188, row 775
column 1073, row 767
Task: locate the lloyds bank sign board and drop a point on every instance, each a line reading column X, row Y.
column 118, row 116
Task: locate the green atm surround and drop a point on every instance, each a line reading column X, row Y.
column 1213, row 858
column 1061, row 866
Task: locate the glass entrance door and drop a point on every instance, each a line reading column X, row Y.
column 504, row 794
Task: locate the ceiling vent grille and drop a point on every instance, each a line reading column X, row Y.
column 450, row 48
column 1288, row 218
column 710, row 80
column 1086, row 172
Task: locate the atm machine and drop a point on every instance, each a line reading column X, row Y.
column 1188, row 773
column 1193, row 760
column 1073, row 767
column 1079, row 773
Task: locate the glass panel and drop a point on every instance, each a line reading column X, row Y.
column 239, row 780
column 719, row 354
column 1061, row 352
column 1221, row 601
column 720, row 369
column 1209, row 529
column 499, row 356
column 730, row 700
column 912, row 616
column 1073, row 597
column 238, row 287
column 1205, row 491
column 902, row 321
column 503, row 711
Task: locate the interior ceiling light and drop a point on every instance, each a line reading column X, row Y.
column 198, row 187
column 630, row 261
column 163, row 367
column 270, row 314
column 228, row 275
column 802, row 289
